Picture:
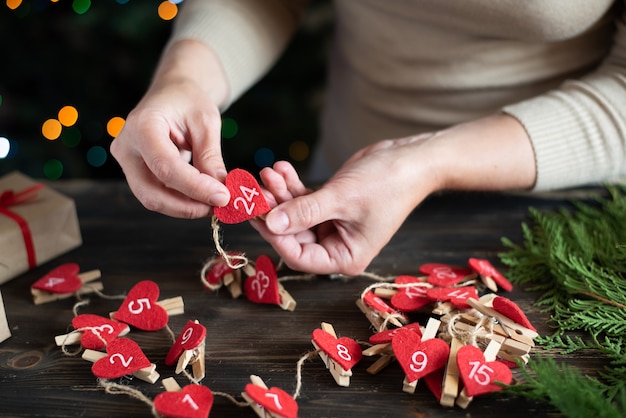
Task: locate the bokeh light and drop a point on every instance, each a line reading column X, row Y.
column 53, row 169
column 13, row 4
column 96, row 156
column 298, row 150
column 51, row 129
column 167, row 10
column 115, row 125
column 5, row 147
column 81, row 6
column 68, row 115
column 71, row 137
column 229, row 128
column 264, row 157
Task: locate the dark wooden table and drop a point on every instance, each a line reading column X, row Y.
column 128, row 244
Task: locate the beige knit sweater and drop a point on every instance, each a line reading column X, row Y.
column 400, row 67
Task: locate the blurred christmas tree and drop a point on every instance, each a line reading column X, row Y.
column 68, row 58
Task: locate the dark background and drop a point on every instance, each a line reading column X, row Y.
column 101, row 60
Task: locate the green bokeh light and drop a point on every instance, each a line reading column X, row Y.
column 71, row 137
column 229, row 128
column 81, row 6
column 53, row 169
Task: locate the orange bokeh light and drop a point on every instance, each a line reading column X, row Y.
column 51, row 129
column 115, row 125
column 68, row 115
column 167, row 10
column 13, row 4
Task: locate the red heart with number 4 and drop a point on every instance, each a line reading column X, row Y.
column 456, row 295
column 140, row 308
column 98, row 331
column 419, row 358
column 63, row 279
column 123, row 357
column 190, row 337
column 478, row 375
column 263, row 286
column 193, row 401
column 344, row 351
column 246, row 199
column 274, row 400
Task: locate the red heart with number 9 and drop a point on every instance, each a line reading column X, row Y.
column 190, row 337
column 478, row 375
column 419, row 358
column 193, row 401
column 246, row 199
column 140, row 308
column 263, row 286
column 123, row 357
column 63, row 279
column 344, row 351
column 274, row 400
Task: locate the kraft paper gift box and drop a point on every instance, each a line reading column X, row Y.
column 36, row 225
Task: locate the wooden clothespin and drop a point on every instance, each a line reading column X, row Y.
column 269, row 402
column 92, row 331
column 338, row 354
column 190, row 401
column 430, row 331
column 220, row 273
column 64, row 282
column 463, row 400
column 451, row 376
column 512, row 329
column 489, row 275
column 382, row 346
column 377, row 311
column 189, row 349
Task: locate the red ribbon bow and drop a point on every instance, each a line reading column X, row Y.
column 10, row 198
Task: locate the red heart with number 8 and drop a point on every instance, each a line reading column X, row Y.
column 123, row 357
column 478, row 375
column 193, row 401
column 419, row 358
column 344, row 351
column 63, row 279
column 246, row 199
column 140, row 308
column 190, row 337
column 274, row 400
column 263, row 286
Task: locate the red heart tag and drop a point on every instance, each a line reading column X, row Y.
column 193, row 401
column 410, row 299
column 190, row 337
column 479, row 376
column 510, row 309
column 485, row 268
column 434, row 382
column 456, row 295
column 344, row 351
column 217, row 272
column 63, row 279
column 263, row 286
column 246, row 199
column 444, row 275
column 419, row 358
column 385, row 337
column 274, row 400
column 98, row 331
column 140, row 308
column 123, row 357
column 378, row 304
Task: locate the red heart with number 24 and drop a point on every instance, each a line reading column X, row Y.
column 344, row 351
column 63, row 279
column 419, row 358
column 263, row 286
column 123, row 357
column 193, row 401
column 274, row 400
column 246, row 199
column 140, row 308
column 478, row 375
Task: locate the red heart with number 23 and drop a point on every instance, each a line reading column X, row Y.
column 140, row 308
column 246, row 199
column 263, row 286
column 193, row 401
column 478, row 375
column 274, row 400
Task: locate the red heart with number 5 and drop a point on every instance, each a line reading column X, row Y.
column 344, row 351
column 98, row 331
column 123, row 357
column 140, row 308
column 63, row 279
column 274, row 400
column 419, row 358
column 478, row 375
column 190, row 337
column 193, row 401
column 263, row 286
column 246, row 199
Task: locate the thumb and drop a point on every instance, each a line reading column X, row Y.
column 301, row 213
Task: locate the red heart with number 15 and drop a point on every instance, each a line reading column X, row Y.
column 246, row 199
column 480, row 376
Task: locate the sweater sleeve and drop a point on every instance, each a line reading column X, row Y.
column 246, row 35
column 578, row 131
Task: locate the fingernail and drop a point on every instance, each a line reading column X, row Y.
column 218, row 199
column 221, row 175
column 277, row 222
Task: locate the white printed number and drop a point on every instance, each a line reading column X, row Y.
column 480, row 373
column 274, row 397
column 343, row 352
column 261, row 284
column 188, row 399
column 419, row 360
column 53, row 281
column 124, row 361
column 186, row 335
column 142, row 302
column 246, row 200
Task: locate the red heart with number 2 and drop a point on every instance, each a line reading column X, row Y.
column 478, row 375
column 193, row 401
column 419, row 358
column 246, row 199
column 123, row 357
column 63, row 279
column 263, row 286
column 274, row 400
column 344, row 351
column 140, row 308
